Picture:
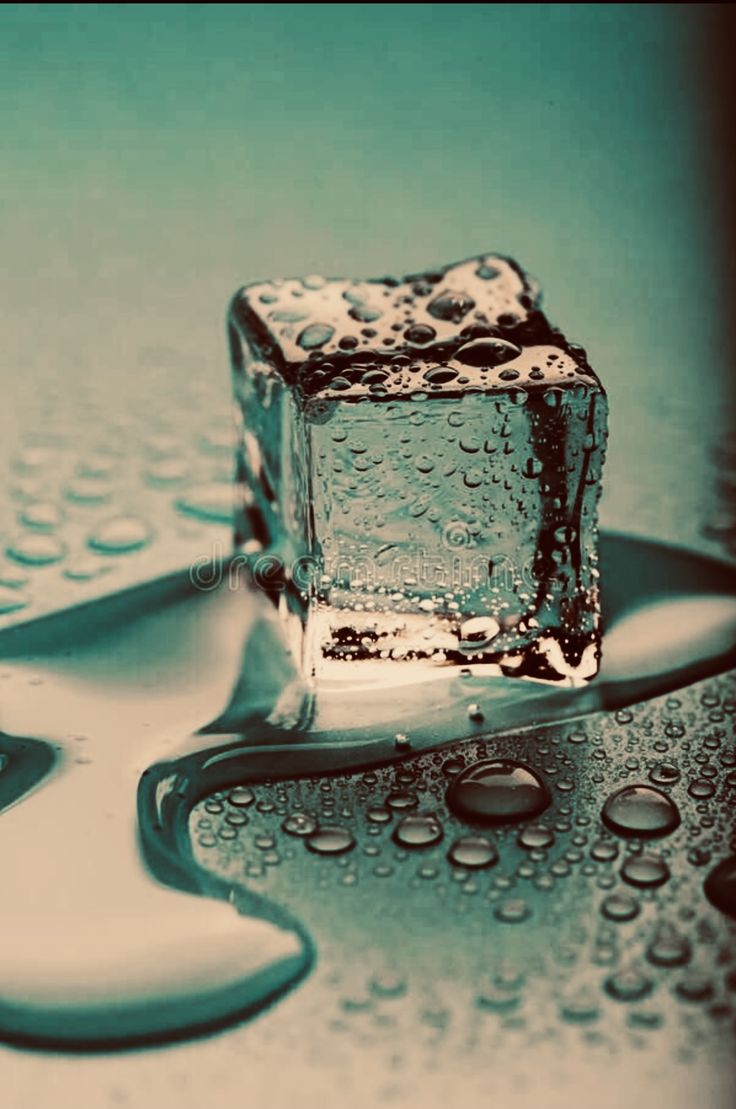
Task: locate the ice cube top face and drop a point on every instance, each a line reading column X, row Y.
column 419, row 470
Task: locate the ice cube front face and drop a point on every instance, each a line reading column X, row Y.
column 419, row 469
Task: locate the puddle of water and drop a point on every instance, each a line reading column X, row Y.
column 104, row 944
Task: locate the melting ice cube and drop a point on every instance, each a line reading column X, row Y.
column 419, row 470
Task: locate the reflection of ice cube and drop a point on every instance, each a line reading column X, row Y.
column 423, row 458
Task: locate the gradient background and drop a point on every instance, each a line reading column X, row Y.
column 155, row 157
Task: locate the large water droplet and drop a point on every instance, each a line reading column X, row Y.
column 498, row 791
column 640, row 811
column 720, row 886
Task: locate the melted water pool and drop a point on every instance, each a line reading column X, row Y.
column 105, row 946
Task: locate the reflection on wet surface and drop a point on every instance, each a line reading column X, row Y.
column 120, row 689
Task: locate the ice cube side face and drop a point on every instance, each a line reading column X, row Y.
column 432, row 502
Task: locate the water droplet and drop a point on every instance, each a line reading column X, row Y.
column 11, row 601
column 473, row 853
column 330, row 840
column 604, row 851
column 664, row 774
column 477, row 633
column 701, row 789
column 487, row 353
column 628, row 985
column 640, row 811
column 450, row 306
column 695, row 988
column 242, row 796
column 645, row 871
column 88, row 490
column 315, row 336
column 580, row 1006
column 120, row 535
column 440, row 375
column 42, row 516
column 720, row 887
column 37, row 550
column 475, row 713
column 387, row 986
column 167, row 471
column 420, row 333
column 620, row 907
column 498, row 791
column 418, row 830
column 379, row 815
column 536, row 837
column 299, row 824
column 513, row 911
column 211, row 503
column 668, row 948
column 402, row 800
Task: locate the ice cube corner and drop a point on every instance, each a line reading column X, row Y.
column 418, row 471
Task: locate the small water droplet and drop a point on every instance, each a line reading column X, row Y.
column 120, row 535
column 645, row 871
column 37, row 550
column 242, row 796
column 664, row 774
column 477, row 633
column 620, row 907
column 473, row 853
column 487, row 353
column 315, row 336
column 41, row 516
column 513, row 911
column 628, row 985
column 418, row 830
column 211, row 503
column 536, row 837
column 330, row 840
column 11, row 601
column 450, row 306
column 299, row 824
column 668, row 948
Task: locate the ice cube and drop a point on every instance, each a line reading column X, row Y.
column 419, row 467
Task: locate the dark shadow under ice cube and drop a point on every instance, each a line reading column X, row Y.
column 419, row 470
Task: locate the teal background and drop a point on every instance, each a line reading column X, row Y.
column 156, row 157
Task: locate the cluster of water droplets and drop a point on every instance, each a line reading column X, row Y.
column 103, row 496
column 593, row 854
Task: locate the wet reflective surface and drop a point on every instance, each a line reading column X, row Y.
column 120, row 708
